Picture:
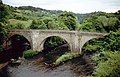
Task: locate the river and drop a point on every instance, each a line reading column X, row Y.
column 36, row 67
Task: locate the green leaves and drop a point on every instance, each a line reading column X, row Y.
column 54, row 41
column 107, row 54
column 65, row 57
column 110, row 67
column 69, row 20
column 38, row 24
column 48, row 23
column 29, row 53
column 2, row 34
column 112, row 39
column 4, row 12
column 101, row 23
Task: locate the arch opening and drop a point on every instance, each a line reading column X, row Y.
column 54, row 47
column 17, row 44
column 92, row 45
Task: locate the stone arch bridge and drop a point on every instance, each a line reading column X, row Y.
column 75, row 39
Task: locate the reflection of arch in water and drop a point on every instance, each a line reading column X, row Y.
column 17, row 38
column 42, row 44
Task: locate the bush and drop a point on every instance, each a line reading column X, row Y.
column 65, row 57
column 108, row 65
column 29, row 53
column 20, row 17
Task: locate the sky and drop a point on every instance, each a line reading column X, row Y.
column 76, row 6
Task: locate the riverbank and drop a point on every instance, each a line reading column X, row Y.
column 2, row 65
column 3, row 69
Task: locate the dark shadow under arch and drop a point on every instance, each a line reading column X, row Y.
column 18, row 43
column 18, row 40
column 54, row 46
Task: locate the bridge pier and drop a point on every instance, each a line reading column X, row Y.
column 75, row 42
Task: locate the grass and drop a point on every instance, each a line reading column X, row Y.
column 65, row 57
column 29, row 53
column 26, row 23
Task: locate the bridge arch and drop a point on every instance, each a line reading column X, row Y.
column 43, row 40
column 85, row 39
column 16, row 44
column 24, row 39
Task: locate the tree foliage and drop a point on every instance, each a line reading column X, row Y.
column 108, row 65
column 107, row 54
column 101, row 23
column 69, row 20
column 2, row 35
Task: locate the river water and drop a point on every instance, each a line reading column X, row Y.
column 37, row 68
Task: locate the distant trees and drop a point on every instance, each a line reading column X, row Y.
column 1, row 2
column 48, row 23
column 101, row 23
column 109, row 24
column 38, row 24
column 69, row 20
column 117, row 14
column 20, row 17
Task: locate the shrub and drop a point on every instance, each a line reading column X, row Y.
column 29, row 53
column 65, row 57
column 109, row 65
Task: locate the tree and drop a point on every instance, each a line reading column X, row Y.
column 38, row 24
column 117, row 14
column 109, row 24
column 108, row 65
column 4, row 12
column 2, row 35
column 49, row 22
column 101, row 23
column 1, row 2
column 69, row 20
column 19, row 26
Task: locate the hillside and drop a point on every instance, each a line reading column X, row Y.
column 104, row 51
column 29, row 12
column 24, row 15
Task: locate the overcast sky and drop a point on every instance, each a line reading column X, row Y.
column 77, row 6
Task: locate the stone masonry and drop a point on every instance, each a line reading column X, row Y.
column 37, row 38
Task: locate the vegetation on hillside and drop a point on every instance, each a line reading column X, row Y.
column 106, row 50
